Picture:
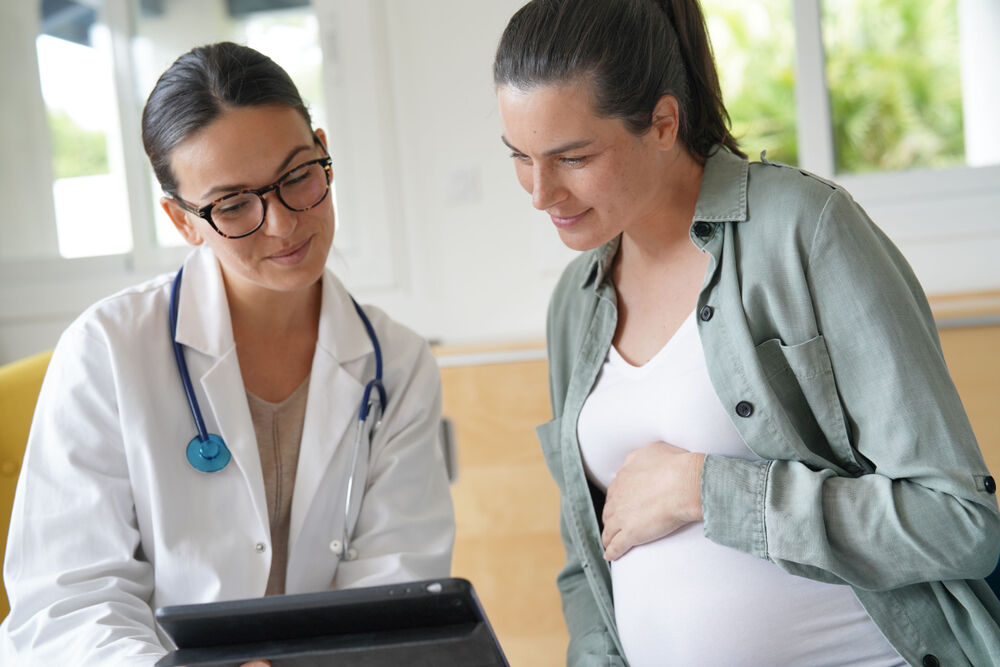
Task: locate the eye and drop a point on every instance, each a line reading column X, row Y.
column 520, row 157
column 574, row 161
column 229, row 208
column 296, row 176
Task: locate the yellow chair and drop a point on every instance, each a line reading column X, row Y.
column 20, row 382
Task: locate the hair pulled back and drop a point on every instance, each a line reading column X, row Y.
column 632, row 52
column 198, row 87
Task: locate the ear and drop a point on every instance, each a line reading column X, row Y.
column 321, row 135
column 666, row 121
column 179, row 217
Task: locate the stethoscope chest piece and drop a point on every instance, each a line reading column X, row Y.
column 210, row 455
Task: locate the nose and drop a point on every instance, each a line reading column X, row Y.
column 546, row 191
column 279, row 220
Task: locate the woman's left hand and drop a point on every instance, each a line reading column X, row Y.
column 656, row 491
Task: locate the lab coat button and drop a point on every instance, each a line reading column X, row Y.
column 335, row 547
column 744, row 408
column 990, row 484
column 260, row 547
column 706, row 313
column 931, row 660
column 702, row 230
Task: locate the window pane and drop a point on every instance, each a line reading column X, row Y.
column 895, row 83
column 755, row 52
column 290, row 37
column 75, row 69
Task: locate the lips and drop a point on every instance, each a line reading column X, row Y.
column 292, row 255
column 563, row 222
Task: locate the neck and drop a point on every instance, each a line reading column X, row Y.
column 664, row 232
column 266, row 314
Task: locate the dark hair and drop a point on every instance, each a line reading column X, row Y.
column 198, row 87
column 632, row 52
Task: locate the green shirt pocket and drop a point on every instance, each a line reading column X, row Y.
column 804, row 385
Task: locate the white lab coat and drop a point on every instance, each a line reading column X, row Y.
column 110, row 521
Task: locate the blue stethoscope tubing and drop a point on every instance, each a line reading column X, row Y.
column 207, row 452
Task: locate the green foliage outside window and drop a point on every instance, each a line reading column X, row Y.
column 755, row 52
column 895, row 83
column 892, row 71
column 76, row 151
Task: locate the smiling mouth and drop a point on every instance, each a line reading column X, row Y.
column 564, row 222
column 293, row 252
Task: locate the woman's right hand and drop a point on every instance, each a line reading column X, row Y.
column 656, row 491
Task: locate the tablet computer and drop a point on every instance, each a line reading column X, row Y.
column 431, row 622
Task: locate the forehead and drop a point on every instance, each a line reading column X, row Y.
column 243, row 145
column 536, row 118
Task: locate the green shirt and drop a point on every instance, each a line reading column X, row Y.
column 819, row 340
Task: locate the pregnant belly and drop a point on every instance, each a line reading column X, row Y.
column 685, row 600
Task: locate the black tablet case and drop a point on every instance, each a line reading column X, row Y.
column 433, row 622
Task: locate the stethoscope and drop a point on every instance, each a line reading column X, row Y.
column 207, row 452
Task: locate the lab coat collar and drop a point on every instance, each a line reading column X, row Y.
column 203, row 321
column 342, row 335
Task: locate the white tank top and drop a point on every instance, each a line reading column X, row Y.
column 683, row 599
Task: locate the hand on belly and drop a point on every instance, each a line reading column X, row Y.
column 655, row 492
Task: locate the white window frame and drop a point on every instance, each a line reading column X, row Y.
column 877, row 189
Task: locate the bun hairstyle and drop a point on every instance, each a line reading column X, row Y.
column 198, row 87
column 631, row 52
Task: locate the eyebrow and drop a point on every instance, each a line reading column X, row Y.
column 220, row 189
column 565, row 148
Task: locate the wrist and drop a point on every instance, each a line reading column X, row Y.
column 696, row 464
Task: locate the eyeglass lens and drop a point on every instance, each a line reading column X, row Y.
column 300, row 190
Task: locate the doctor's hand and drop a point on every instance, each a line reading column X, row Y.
column 656, row 491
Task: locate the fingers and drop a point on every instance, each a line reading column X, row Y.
column 619, row 545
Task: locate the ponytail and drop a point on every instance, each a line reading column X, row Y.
column 631, row 52
column 708, row 120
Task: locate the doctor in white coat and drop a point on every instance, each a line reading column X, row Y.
column 111, row 520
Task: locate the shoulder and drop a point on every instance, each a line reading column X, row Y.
column 406, row 356
column 788, row 207
column 129, row 314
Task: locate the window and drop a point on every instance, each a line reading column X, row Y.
column 893, row 71
column 88, row 187
column 755, row 55
column 861, row 86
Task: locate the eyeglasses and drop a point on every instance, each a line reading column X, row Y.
column 240, row 214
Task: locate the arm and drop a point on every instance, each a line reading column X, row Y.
column 406, row 527
column 922, row 513
column 78, row 587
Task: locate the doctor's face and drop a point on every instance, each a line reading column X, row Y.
column 251, row 148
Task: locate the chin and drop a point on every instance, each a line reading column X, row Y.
column 580, row 240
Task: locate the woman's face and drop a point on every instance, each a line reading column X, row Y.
column 594, row 177
column 250, row 148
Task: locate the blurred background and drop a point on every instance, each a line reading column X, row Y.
column 895, row 99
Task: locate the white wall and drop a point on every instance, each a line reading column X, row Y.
column 458, row 252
